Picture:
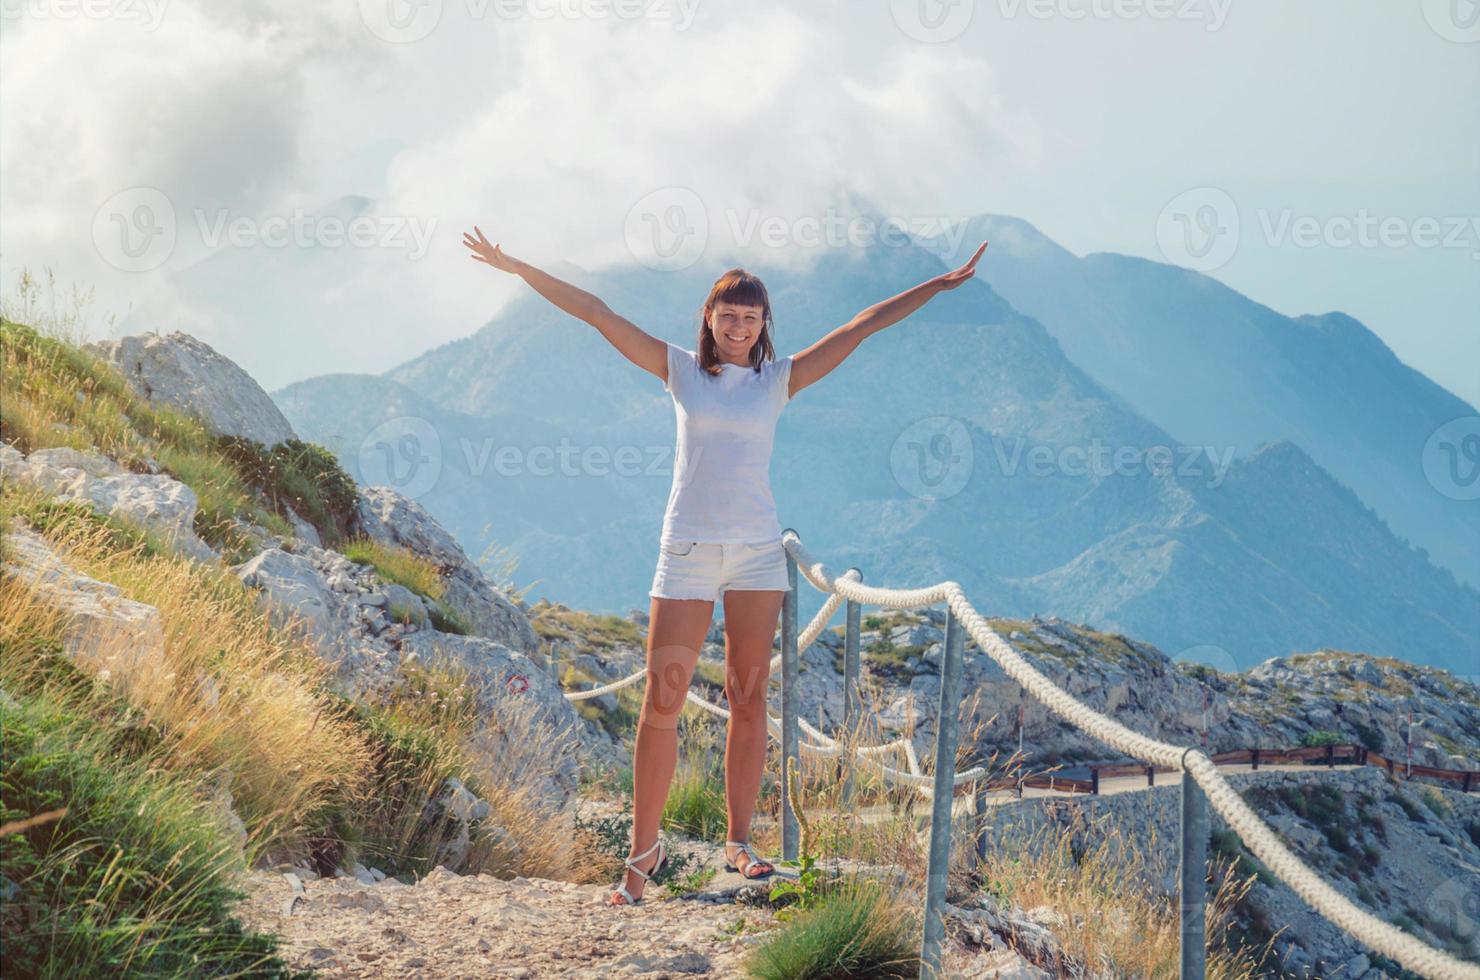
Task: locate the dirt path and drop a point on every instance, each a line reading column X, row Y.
column 455, row 926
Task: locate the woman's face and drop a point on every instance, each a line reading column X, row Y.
column 735, row 329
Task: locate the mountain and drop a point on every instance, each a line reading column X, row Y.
column 961, row 444
column 1212, row 366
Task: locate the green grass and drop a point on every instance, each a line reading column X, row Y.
column 396, row 564
column 60, row 395
column 134, row 879
column 404, row 567
column 857, row 930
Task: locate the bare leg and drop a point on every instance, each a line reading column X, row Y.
column 676, row 629
column 750, row 628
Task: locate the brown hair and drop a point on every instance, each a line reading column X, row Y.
column 743, row 289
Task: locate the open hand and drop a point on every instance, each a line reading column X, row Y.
column 956, row 277
column 484, row 252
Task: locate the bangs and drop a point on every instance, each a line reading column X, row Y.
column 741, row 290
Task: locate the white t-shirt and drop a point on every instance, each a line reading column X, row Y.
column 722, row 464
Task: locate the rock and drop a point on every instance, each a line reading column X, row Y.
column 188, row 374
column 65, row 458
column 500, row 674
column 395, row 519
column 106, row 631
column 402, row 599
column 293, row 591
column 303, row 530
column 155, row 502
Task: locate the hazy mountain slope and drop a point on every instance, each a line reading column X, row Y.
column 1210, row 365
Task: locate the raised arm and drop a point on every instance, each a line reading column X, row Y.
column 816, row 361
column 634, row 343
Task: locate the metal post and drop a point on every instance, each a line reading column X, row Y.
column 790, row 831
column 951, row 681
column 1194, row 870
column 852, row 708
column 979, row 792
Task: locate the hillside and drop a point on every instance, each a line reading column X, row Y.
column 225, row 650
column 1210, row 365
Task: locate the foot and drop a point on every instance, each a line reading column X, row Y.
column 739, row 856
column 634, row 882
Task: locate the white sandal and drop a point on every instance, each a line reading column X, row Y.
column 631, row 862
column 754, row 860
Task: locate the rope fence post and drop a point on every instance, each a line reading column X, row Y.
column 942, row 794
column 790, row 832
column 979, row 792
column 1194, row 869
column 852, row 708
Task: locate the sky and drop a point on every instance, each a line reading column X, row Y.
column 1316, row 155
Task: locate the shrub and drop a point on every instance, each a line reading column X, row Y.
column 860, row 929
column 300, row 476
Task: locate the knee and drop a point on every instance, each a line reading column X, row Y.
column 666, row 691
column 746, row 692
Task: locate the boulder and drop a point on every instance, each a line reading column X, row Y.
column 294, row 593
column 185, row 372
column 392, row 518
column 106, row 632
column 153, row 501
column 501, row 674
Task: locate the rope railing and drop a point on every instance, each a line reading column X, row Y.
column 1376, row 933
column 1255, row 834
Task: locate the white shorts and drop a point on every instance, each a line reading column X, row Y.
column 700, row 570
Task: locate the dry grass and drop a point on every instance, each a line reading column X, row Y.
column 233, row 692
column 229, row 692
column 1102, row 910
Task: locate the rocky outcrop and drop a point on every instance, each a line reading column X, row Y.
column 156, row 502
column 1364, row 699
column 105, row 631
column 186, row 373
column 395, row 519
column 502, row 674
column 342, row 607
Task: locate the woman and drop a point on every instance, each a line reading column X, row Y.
column 720, row 534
